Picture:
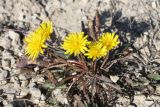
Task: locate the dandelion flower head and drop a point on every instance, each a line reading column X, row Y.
column 34, row 45
column 109, row 40
column 96, row 50
column 35, row 42
column 75, row 43
column 46, row 29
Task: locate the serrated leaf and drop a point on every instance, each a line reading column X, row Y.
column 154, row 76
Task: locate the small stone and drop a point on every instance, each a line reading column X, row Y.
column 5, row 73
column 130, row 106
column 41, row 80
column 23, row 93
column 114, row 78
column 157, row 44
column 22, row 77
column 12, row 79
column 35, row 92
column 36, row 101
column 43, row 97
column 2, row 82
column 16, row 84
column 6, row 54
column 42, row 104
column 10, row 97
column 36, row 69
column 24, row 83
column 5, row 102
column 139, row 100
column 16, row 71
column 154, row 4
column 146, row 33
column 158, row 89
column 60, row 97
column 32, row 84
column 10, row 91
column 108, row 22
column 5, row 43
column 57, row 92
column 6, row 63
column 148, row 103
column 15, row 37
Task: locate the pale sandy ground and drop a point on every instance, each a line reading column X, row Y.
column 67, row 15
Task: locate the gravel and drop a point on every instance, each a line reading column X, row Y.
column 19, row 17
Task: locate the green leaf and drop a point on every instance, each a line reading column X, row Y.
column 62, row 86
column 154, row 76
column 48, row 85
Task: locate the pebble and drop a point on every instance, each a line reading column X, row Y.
column 41, row 80
column 22, row 77
column 24, row 84
column 35, row 92
column 131, row 106
column 43, row 97
column 36, row 101
column 14, row 36
column 114, row 78
column 10, row 91
column 36, row 69
column 3, row 74
column 16, row 84
column 10, row 97
column 32, row 84
column 42, row 104
column 61, row 98
column 2, row 82
column 5, row 43
column 148, row 103
column 5, row 102
column 23, row 93
column 6, row 63
column 154, row 4
column 158, row 89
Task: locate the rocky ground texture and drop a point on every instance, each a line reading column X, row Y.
column 136, row 20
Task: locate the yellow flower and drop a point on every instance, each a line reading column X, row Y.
column 96, row 50
column 109, row 40
column 75, row 43
column 34, row 44
column 46, row 28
